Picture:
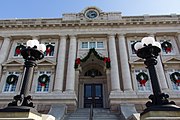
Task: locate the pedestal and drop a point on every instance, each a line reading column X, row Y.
column 19, row 112
column 163, row 112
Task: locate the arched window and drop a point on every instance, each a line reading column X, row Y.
column 93, row 73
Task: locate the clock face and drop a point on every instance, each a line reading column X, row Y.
column 91, row 14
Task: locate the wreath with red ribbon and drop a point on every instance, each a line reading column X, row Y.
column 49, row 49
column 11, row 79
column 43, row 79
column 142, row 78
column 175, row 77
column 166, row 46
column 18, row 49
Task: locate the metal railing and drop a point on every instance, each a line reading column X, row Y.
column 91, row 112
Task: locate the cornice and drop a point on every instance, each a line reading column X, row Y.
column 59, row 23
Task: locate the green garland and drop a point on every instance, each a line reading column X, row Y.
column 175, row 77
column 11, row 79
column 92, row 50
column 43, row 79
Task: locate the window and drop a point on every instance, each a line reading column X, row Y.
column 100, row 45
column 11, row 82
column 84, row 44
column 49, row 49
column 92, row 45
column 93, row 73
column 95, row 44
column 167, row 47
column 18, row 49
column 174, row 76
column 43, row 81
column 143, row 81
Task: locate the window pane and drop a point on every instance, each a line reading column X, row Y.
column 98, row 90
column 100, row 45
column 88, row 91
column 92, row 45
column 84, row 45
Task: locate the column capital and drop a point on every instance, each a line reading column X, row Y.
column 72, row 35
column 35, row 37
column 177, row 34
column 111, row 35
column 121, row 35
column 6, row 36
column 152, row 34
column 63, row 37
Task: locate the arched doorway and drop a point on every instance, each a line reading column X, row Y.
column 92, row 80
column 93, row 84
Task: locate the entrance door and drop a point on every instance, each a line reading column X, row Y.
column 93, row 95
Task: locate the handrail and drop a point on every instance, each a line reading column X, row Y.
column 91, row 112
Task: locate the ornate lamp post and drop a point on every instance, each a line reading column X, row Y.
column 149, row 50
column 32, row 53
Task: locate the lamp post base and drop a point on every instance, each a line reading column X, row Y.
column 19, row 112
column 161, row 112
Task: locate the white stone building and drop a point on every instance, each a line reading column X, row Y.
column 90, row 59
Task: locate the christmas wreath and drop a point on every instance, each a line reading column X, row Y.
column 105, row 59
column 43, row 79
column 142, row 78
column 49, row 49
column 18, row 49
column 175, row 77
column 166, row 46
column 11, row 79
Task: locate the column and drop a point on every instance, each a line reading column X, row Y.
column 115, row 83
column 4, row 51
column 59, row 78
column 160, row 70
column 126, row 77
column 70, row 79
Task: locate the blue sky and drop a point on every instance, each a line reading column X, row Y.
column 55, row 8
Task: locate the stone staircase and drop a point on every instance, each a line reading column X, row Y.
column 79, row 114
column 98, row 114
column 105, row 114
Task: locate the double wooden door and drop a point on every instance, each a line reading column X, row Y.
column 93, row 94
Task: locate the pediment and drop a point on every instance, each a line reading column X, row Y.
column 172, row 60
column 46, row 62
column 13, row 63
column 137, row 61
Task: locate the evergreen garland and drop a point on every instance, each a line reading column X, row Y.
column 92, row 50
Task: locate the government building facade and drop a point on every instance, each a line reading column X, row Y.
column 90, row 59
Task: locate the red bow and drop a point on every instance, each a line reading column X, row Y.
column 42, row 84
column 48, row 50
column 107, row 59
column 168, row 49
column 78, row 61
column 18, row 51
column 142, row 82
